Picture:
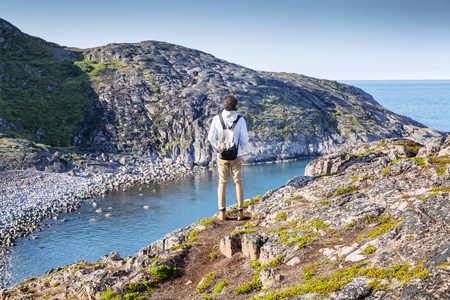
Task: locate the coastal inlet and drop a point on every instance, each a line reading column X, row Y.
column 130, row 225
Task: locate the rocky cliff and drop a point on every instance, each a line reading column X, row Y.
column 158, row 98
column 369, row 222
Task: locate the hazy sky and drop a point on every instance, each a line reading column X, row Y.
column 333, row 39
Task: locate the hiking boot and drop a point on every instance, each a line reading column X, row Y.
column 222, row 215
column 240, row 215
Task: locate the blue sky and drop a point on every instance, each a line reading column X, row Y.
column 332, row 39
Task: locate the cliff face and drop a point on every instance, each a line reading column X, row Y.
column 159, row 98
column 369, row 222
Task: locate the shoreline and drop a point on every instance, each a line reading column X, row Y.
column 29, row 197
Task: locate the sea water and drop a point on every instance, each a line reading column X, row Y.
column 426, row 101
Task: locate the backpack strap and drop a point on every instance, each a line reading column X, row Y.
column 223, row 123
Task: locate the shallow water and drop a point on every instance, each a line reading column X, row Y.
column 131, row 227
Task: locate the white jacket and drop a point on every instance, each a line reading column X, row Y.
column 239, row 133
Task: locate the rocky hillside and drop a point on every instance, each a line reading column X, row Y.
column 158, row 98
column 369, row 222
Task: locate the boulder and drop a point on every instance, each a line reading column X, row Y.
column 251, row 244
column 108, row 258
column 358, row 288
column 229, row 246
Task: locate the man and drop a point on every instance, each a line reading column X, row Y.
column 228, row 129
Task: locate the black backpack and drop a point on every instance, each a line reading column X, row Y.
column 232, row 152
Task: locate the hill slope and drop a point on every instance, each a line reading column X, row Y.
column 377, row 229
column 159, row 98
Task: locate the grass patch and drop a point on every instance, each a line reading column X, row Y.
column 220, row 286
column 163, row 272
column 440, row 189
column 369, row 249
column 411, row 146
column 247, row 287
column 335, row 281
column 346, row 190
column 385, row 224
column 192, row 237
column 206, row 282
column 280, row 216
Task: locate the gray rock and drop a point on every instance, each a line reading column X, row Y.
column 269, row 252
column 251, row 243
column 108, row 258
column 356, row 289
column 229, row 246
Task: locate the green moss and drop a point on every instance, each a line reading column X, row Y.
column 346, row 190
column 420, row 161
column 350, row 225
column 206, row 282
column 108, row 295
column 309, row 271
column 163, row 272
column 213, row 255
column 369, row 249
column 249, row 224
column 440, row 189
column 411, row 146
column 247, row 287
column 254, row 200
column 280, row 216
column 205, row 221
column 334, row 281
column 325, row 175
column 365, row 152
column 385, row 224
column 355, row 177
column 219, row 287
column 193, row 235
column 386, row 170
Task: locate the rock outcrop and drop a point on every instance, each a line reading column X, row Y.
column 370, row 222
column 159, row 99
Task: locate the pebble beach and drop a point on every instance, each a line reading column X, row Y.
column 29, row 197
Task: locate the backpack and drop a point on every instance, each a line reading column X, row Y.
column 229, row 153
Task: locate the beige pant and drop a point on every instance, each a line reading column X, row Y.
column 224, row 167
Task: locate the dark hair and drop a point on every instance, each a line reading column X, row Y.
column 229, row 102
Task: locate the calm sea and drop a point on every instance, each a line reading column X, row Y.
column 426, row 101
column 177, row 204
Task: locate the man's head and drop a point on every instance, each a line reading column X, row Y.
column 229, row 103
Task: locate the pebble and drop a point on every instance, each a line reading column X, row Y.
column 27, row 197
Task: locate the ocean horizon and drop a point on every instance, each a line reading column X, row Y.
column 425, row 101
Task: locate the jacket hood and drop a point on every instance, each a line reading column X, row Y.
column 229, row 116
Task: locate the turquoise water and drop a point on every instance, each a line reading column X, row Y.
column 131, row 227
column 426, row 101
